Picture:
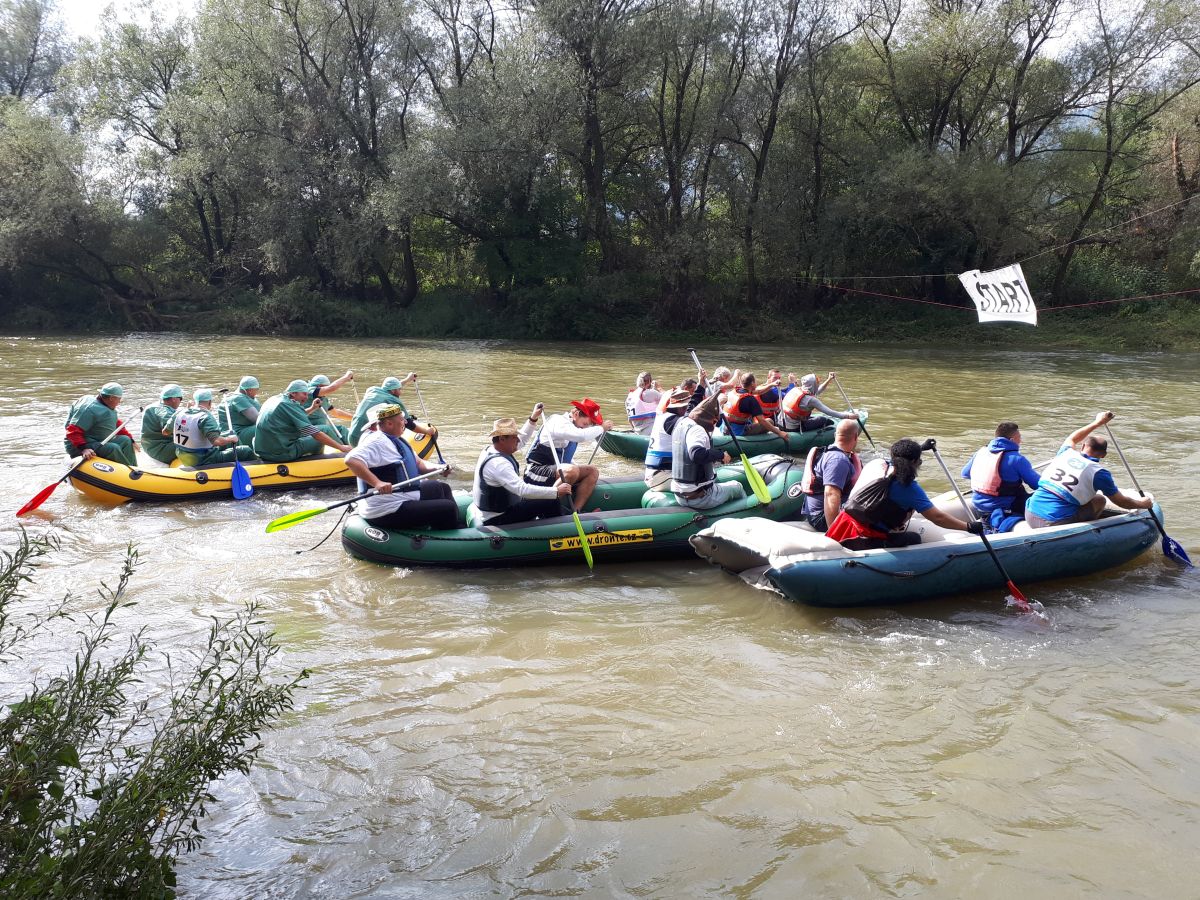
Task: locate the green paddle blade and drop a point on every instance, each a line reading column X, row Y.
column 756, row 482
column 292, row 519
column 587, row 550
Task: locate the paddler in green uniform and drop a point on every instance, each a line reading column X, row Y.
column 155, row 425
column 386, row 393
column 242, row 408
column 284, row 433
column 91, row 420
column 318, row 389
column 198, row 437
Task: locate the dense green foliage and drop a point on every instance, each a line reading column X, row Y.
column 102, row 782
column 590, row 168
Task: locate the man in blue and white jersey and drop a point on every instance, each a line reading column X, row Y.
column 1074, row 485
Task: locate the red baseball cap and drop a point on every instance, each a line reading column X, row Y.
column 589, row 408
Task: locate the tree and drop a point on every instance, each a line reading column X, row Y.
column 32, row 48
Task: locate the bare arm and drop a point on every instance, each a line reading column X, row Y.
column 833, row 502
column 1080, row 433
column 323, row 438
column 944, row 519
column 1126, row 502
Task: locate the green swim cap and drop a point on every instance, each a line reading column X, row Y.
column 391, row 383
column 204, row 395
column 297, row 387
column 112, row 389
column 248, row 382
column 171, row 390
column 319, row 381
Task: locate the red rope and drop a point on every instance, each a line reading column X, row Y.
column 1040, row 309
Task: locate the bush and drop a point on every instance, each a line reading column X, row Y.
column 101, row 790
column 298, row 309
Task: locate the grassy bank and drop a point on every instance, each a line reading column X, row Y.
column 622, row 314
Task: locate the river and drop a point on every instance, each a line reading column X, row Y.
column 664, row 730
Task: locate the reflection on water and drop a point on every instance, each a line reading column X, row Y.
column 666, row 730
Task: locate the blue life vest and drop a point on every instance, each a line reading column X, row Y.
column 401, row 470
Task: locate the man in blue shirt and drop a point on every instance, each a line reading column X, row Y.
column 829, row 474
column 999, row 475
column 1074, row 485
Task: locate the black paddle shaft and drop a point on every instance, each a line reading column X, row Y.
column 930, row 444
column 1171, row 547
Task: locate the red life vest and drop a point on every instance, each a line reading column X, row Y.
column 732, row 413
column 791, row 404
column 771, row 407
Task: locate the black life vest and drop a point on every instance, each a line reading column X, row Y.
column 491, row 498
column 869, row 503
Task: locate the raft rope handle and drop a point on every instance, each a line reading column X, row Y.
column 212, row 480
column 345, row 512
column 1049, row 539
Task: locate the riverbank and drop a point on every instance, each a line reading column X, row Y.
column 1166, row 324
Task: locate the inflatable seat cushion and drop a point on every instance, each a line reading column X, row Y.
column 658, row 499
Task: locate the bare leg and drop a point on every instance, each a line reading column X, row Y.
column 584, row 479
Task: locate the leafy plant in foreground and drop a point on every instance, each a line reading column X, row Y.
column 102, row 787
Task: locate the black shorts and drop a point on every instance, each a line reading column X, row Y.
column 539, row 474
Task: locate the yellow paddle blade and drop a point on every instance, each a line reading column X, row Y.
column 583, row 541
column 293, row 519
column 756, row 482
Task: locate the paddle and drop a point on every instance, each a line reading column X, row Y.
column 425, row 413
column 1171, row 548
column 1021, row 601
column 41, row 496
column 755, row 480
column 752, row 477
column 861, row 423
column 583, row 541
column 239, row 481
column 297, row 517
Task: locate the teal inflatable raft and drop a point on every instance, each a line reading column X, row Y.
column 633, row 446
column 632, row 524
column 809, row 568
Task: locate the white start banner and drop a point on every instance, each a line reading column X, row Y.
column 1001, row 295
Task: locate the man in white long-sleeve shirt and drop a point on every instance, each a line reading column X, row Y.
column 499, row 493
column 582, row 422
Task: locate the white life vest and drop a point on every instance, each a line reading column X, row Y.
column 658, row 452
column 1070, row 476
column 188, row 430
column 985, row 472
column 641, row 411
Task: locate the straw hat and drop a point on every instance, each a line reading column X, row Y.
column 506, row 427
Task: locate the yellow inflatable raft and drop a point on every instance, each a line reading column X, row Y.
column 114, row 483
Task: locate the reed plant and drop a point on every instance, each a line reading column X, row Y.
column 106, row 773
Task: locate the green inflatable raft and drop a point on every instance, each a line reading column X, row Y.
column 632, row 524
column 633, row 446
